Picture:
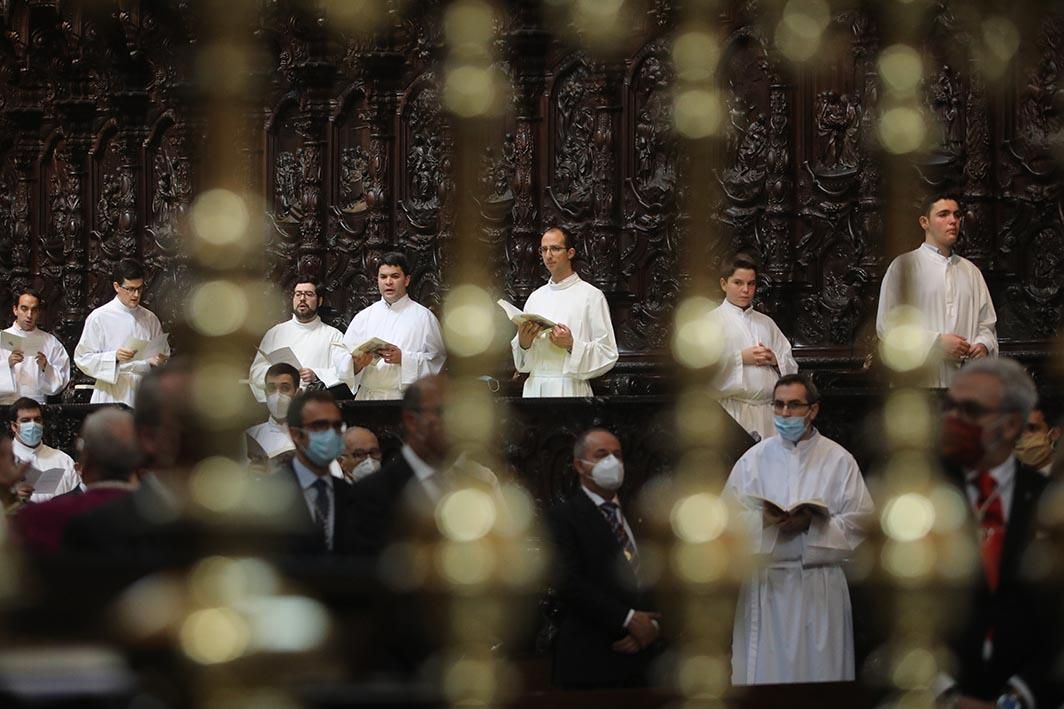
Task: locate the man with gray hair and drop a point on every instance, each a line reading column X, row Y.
column 109, row 458
column 1004, row 648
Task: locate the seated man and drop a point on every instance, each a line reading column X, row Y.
column 804, row 503
column 608, row 633
column 362, row 453
column 27, row 426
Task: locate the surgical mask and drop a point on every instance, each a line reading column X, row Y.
column 608, row 473
column 962, row 442
column 790, row 428
column 278, row 403
column 323, row 447
column 368, row 466
column 1035, row 449
column 31, row 433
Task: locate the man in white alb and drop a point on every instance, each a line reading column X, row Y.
column 102, row 352
column 958, row 318
column 804, row 505
column 310, row 340
column 282, row 383
column 39, row 375
column 27, row 427
column 416, row 345
column 581, row 346
column 756, row 352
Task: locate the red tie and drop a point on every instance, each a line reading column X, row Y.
column 992, row 526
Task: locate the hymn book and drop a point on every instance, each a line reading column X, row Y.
column 146, row 349
column 44, row 482
column 816, row 505
column 371, row 346
column 519, row 317
column 29, row 344
column 282, row 354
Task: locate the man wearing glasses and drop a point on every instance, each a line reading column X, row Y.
column 310, row 340
column 103, row 351
column 958, row 318
column 581, row 346
column 362, row 453
column 1005, row 646
column 804, row 504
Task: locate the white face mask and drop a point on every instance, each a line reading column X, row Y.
column 368, row 466
column 278, row 403
column 608, row 473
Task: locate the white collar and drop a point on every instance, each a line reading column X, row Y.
column 744, row 312
column 16, row 330
column 422, row 470
column 24, row 452
column 1003, row 473
column 933, row 251
column 598, row 499
column 399, row 304
column 803, row 444
column 311, row 325
column 569, row 280
column 117, row 304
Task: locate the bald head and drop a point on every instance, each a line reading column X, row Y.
column 359, row 444
column 109, row 446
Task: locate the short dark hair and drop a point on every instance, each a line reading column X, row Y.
column 312, row 280
column 295, row 409
column 812, row 394
column 412, row 397
column 19, row 292
column 733, row 263
column 567, row 238
column 128, row 269
column 938, row 195
column 580, row 444
column 282, row 368
column 23, row 403
column 394, row 258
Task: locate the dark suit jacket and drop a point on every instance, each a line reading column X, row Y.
column 597, row 588
column 304, row 536
column 387, row 507
column 1021, row 614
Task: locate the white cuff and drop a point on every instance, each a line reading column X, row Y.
column 1016, row 683
column 628, row 618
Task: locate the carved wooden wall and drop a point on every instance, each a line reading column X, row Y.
column 101, row 120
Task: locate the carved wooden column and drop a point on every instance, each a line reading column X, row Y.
column 779, row 188
column 603, row 244
column 384, row 74
column 528, row 45
column 67, row 199
column 26, row 149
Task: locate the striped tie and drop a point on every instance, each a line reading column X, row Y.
column 613, row 515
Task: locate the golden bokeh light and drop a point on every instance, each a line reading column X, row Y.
column 219, row 217
column 468, row 26
column 217, row 392
column 1001, row 37
column 915, row 669
column 222, row 68
column 470, row 682
column 471, row 91
column 217, row 308
column 909, row 562
column 695, row 55
column 466, row 563
column 907, row 342
column 908, row 419
column 219, row 484
column 699, row 518
column 901, row 68
column 703, row 676
column 214, row 635
column 902, row 130
column 468, row 321
column 908, row 517
column 697, row 113
column 465, row 515
column 285, row 623
column 699, row 563
column 698, row 339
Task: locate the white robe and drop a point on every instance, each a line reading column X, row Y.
column 951, row 295
column 794, row 622
column 312, row 344
column 409, row 326
column 582, row 308
column 745, row 390
column 26, row 378
column 106, row 329
column 44, row 457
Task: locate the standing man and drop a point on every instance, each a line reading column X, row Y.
column 1008, row 642
column 39, row 375
column 805, row 505
column 362, row 453
column 102, row 352
column 416, row 346
column 27, row 427
column 959, row 322
column 608, row 633
column 307, row 336
column 756, row 352
column 581, row 346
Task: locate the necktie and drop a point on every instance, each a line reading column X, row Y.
column 991, row 526
column 321, row 509
column 613, row 515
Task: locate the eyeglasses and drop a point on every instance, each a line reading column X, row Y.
column 308, row 294
column 970, row 410
column 132, row 290
column 364, row 453
column 324, row 425
column 796, row 406
column 553, row 249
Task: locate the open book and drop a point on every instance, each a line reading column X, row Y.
column 29, row 345
column 519, row 317
column 146, row 349
column 44, row 482
column 282, row 354
column 371, row 346
column 816, row 506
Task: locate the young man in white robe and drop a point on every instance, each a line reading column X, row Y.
column 37, row 376
column 416, row 344
column 793, row 622
column 102, row 354
column 311, row 341
column 27, row 429
column 560, row 361
column 958, row 321
column 756, row 352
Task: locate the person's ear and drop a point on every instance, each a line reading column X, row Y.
column 924, row 222
column 813, row 411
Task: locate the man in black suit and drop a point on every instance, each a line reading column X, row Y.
column 1006, row 645
column 607, row 636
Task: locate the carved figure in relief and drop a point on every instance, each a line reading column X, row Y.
column 354, row 177
column 838, row 124
column 944, row 98
column 1039, row 108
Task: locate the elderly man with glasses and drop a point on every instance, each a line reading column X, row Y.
column 581, row 346
column 804, row 503
column 105, row 351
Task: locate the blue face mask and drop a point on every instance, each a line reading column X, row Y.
column 31, row 433
column 790, row 428
column 323, row 447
